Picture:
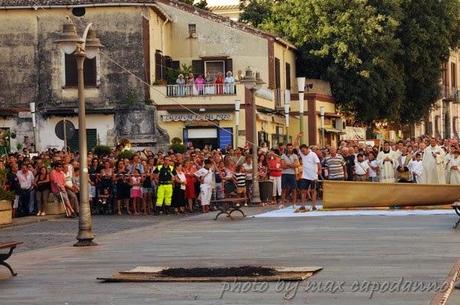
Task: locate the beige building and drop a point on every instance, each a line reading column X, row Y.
column 231, row 11
column 443, row 120
column 131, row 86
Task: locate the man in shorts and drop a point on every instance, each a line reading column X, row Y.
column 311, row 168
column 290, row 162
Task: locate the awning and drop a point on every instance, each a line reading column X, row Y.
column 332, row 130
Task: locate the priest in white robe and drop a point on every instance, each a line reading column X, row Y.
column 434, row 164
column 388, row 163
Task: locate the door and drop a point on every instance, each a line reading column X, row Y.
column 91, row 140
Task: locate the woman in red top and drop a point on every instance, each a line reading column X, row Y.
column 274, row 171
column 190, row 193
column 219, row 83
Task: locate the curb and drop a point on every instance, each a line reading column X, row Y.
column 30, row 220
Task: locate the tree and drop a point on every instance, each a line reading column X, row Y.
column 352, row 45
column 383, row 58
column 427, row 31
column 203, row 4
column 255, row 12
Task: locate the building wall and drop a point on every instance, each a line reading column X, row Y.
column 444, row 119
column 104, row 124
column 33, row 64
column 215, row 39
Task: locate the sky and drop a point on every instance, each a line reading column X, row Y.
column 222, row 2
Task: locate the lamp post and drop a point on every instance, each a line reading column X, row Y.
column 82, row 47
column 253, row 84
column 321, row 112
column 34, row 124
column 237, row 121
column 287, row 105
column 301, row 89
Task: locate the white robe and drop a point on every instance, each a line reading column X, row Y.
column 416, row 168
column 387, row 168
column 448, row 158
column 454, row 173
column 434, row 166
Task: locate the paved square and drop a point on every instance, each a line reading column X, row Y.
column 362, row 248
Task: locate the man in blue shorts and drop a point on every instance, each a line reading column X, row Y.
column 289, row 162
column 311, row 167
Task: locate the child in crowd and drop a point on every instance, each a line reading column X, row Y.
column 416, row 168
column 239, row 177
column 136, row 192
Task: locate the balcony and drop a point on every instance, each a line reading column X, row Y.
column 451, row 94
column 200, row 90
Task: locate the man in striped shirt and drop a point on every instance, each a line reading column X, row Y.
column 335, row 165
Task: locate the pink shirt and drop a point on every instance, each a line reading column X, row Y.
column 57, row 179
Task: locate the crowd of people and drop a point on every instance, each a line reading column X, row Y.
column 171, row 182
column 209, row 84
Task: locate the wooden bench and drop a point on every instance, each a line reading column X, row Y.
column 456, row 207
column 4, row 256
column 229, row 205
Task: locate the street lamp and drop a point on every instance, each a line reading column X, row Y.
column 253, row 84
column 301, row 89
column 82, row 47
column 321, row 112
column 287, row 105
column 237, row 121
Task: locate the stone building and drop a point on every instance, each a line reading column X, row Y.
column 443, row 121
column 130, row 86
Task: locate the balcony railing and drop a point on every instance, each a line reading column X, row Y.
column 200, row 90
column 452, row 94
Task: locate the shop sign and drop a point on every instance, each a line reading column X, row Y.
column 184, row 117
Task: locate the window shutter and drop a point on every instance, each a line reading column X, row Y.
column 198, row 67
column 70, row 70
column 228, row 65
column 277, row 74
column 288, row 76
column 90, row 72
column 158, row 63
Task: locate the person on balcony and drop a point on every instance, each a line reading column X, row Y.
column 191, row 85
column 209, row 87
column 219, row 83
column 229, row 83
column 180, row 81
column 199, row 84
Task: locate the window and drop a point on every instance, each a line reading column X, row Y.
column 71, row 75
column 192, row 30
column 288, row 76
column 437, row 124
column 214, row 67
column 78, row 11
column 277, row 73
column 453, row 75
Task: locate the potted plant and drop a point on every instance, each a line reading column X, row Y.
column 6, row 200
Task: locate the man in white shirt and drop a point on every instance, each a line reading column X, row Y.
column 311, row 167
column 26, row 182
column 205, row 175
column 361, row 168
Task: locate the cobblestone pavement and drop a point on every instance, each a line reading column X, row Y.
column 62, row 230
column 57, row 231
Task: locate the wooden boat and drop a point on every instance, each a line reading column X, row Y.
column 351, row 194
